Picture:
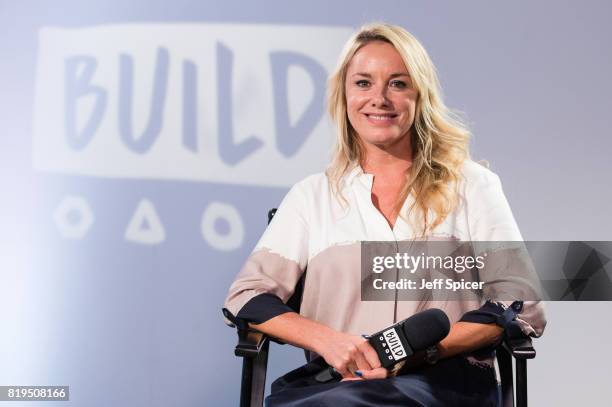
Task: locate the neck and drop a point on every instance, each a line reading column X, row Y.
column 388, row 160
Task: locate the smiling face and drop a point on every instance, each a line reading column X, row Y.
column 380, row 97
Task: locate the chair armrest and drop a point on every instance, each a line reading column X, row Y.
column 517, row 343
column 253, row 347
column 520, row 348
column 250, row 343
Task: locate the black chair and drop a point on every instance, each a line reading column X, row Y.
column 253, row 347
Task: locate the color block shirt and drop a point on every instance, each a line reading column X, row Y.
column 313, row 230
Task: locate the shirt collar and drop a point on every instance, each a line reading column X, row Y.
column 357, row 173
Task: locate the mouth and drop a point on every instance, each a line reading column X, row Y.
column 381, row 118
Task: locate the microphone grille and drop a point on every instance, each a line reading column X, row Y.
column 426, row 328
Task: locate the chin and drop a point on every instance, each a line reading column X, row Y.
column 383, row 139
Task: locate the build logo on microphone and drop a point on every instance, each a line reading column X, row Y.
column 394, row 344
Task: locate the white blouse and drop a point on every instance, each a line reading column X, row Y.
column 313, row 230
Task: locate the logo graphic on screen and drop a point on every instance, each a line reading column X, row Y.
column 185, row 101
column 394, row 344
column 212, row 103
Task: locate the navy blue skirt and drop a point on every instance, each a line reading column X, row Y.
column 450, row 382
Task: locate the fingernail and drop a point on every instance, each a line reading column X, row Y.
column 358, row 373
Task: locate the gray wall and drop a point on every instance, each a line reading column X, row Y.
column 131, row 316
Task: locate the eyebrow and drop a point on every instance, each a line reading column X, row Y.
column 393, row 75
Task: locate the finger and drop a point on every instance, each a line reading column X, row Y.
column 346, row 369
column 348, row 379
column 378, row 373
column 340, row 368
column 370, row 354
column 352, row 368
column 361, row 361
column 344, row 372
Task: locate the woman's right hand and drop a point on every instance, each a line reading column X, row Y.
column 346, row 353
column 350, row 353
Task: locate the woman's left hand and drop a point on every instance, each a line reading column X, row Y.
column 378, row 373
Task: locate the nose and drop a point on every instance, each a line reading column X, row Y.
column 379, row 97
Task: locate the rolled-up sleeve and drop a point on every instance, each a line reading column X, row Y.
column 270, row 274
column 508, row 273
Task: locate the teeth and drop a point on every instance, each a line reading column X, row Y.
column 379, row 117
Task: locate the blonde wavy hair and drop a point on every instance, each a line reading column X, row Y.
column 439, row 138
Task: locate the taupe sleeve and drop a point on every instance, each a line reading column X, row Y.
column 278, row 260
column 508, row 275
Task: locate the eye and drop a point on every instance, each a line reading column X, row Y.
column 362, row 83
column 398, row 84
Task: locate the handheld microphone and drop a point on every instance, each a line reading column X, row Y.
column 401, row 340
column 407, row 337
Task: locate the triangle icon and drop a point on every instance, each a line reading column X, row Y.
column 144, row 226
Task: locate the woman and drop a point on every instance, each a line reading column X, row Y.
column 401, row 171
